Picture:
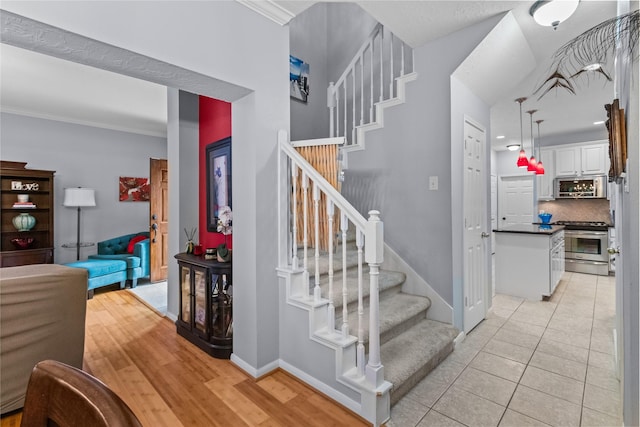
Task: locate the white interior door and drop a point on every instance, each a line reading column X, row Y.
column 515, row 200
column 475, row 220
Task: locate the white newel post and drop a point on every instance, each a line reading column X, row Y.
column 374, row 256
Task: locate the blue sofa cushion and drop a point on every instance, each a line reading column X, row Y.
column 131, row 260
column 97, row 268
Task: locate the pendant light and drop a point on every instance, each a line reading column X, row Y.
column 522, row 157
column 539, row 167
column 531, row 167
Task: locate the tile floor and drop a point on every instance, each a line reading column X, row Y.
column 528, row 364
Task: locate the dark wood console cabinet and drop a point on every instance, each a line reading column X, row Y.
column 206, row 315
column 37, row 185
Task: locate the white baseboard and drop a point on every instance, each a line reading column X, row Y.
column 255, row 373
column 440, row 310
column 322, row 387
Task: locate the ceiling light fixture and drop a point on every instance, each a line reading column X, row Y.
column 531, row 167
column 552, row 13
column 500, row 137
column 513, row 147
column 522, row 162
column 599, row 122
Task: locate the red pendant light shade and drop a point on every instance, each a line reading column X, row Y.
column 531, row 167
column 522, row 162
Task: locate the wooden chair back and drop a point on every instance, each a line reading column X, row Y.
column 64, row 396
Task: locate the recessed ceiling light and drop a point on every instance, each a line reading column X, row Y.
column 599, row 122
column 500, row 137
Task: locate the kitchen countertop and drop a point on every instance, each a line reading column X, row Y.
column 540, row 229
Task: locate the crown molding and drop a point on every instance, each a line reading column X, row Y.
column 269, row 9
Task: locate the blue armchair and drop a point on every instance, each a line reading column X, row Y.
column 138, row 262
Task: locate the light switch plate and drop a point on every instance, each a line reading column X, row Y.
column 433, row 183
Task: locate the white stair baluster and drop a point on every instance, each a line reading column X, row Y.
column 371, row 53
column 331, row 104
column 381, row 65
column 316, row 225
column 337, row 95
column 344, row 226
column 345, row 112
column 331, row 316
column 391, row 72
column 401, row 59
column 353, row 104
column 361, row 89
column 294, row 229
column 305, row 230
column 360, row 361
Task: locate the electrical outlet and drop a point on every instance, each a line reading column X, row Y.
column 433, row 183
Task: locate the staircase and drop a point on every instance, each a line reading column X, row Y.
column 410, row 344
column 365, row 346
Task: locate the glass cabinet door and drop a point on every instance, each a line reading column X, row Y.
column 185, row 294
column 200, row 306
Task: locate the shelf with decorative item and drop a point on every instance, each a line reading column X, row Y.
column 26, row 220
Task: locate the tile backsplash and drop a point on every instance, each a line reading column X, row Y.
column 578, row 210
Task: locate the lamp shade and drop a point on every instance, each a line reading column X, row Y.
column 522, row 162
column 75, row 197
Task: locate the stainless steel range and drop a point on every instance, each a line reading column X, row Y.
column 585, row 246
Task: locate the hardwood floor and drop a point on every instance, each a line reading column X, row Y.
column 169, row 382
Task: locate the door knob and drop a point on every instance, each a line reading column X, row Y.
column 613, row 251
column 485, row 235
column 154, row 227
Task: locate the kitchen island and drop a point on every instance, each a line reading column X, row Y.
column 529, row 260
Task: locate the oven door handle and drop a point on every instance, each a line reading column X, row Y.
column 586, row 234
column 582, row 261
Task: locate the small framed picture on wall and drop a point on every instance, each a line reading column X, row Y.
column 218, row 155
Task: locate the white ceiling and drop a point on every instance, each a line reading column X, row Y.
column 43, row 86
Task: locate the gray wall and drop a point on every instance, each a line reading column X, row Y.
column 229, row 42
column 415, row 144
column 308, row 41
column 326, row 36
column 465, row 104
column 631, row 252
column 84, row 156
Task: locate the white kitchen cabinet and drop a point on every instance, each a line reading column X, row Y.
column 594, row 159
column 529, row 261
column 545, row 182
column 588, row 159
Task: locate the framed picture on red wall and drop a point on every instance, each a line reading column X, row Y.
column 218, row 155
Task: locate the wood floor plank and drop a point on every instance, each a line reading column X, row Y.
column 167, row 381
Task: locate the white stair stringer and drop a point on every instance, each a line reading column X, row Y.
column 374, row 401
column 400, row 98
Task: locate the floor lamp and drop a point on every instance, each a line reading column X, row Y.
column 79, row 197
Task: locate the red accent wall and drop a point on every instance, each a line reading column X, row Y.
column 215, row 124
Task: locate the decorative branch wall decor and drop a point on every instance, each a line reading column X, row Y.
column 591, row 50
column 617, row 140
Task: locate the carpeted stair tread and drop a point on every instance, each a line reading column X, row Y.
column 323, row 261
column 398, row 312
column 409, row 357
column 387, row 281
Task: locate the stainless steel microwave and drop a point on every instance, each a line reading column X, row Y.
column 581, row 187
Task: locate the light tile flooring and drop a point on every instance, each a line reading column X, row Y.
column 528, row 364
